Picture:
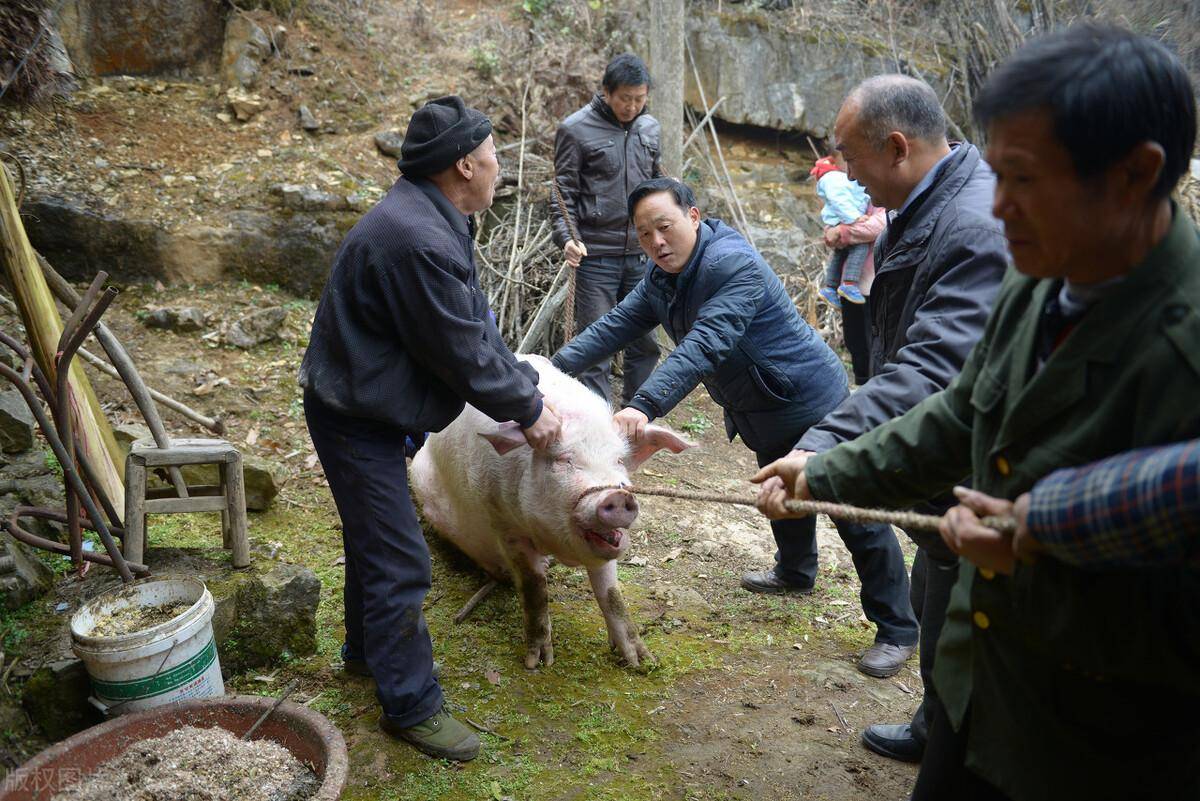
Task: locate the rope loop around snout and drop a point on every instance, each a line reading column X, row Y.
column 593, row 490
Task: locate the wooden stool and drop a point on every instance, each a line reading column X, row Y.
column 228, row 496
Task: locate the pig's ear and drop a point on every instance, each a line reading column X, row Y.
column 654, row 440
column 505, row 438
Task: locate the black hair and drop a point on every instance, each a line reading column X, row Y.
column 626, row 70
column 679, row 190
column 901, row 103
column 1107, row 90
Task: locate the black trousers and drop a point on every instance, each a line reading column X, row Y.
column 856, row 332
column 933, row 578
column 944, row 775
column 875, row 550
column 602, row 282
column 388, row 569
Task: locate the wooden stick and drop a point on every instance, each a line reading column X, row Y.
column 44, row 327
column 291, row 688
column 717, row 142
column 475, row 600
column 700, row 125
column 213, row 424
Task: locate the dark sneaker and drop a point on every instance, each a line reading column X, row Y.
column 884, row 659
column 894, row 741
column 440, row 735
column 766, row 581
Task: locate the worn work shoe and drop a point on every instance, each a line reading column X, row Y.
column 830, row 296
column 767, row 581
column 894, row 741
column 852, row 293
column 884, row 659
column 440, row 735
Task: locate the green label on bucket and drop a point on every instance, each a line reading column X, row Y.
column 160, row 683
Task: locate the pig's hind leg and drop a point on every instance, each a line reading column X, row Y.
column 529, row 575
column 622, row 633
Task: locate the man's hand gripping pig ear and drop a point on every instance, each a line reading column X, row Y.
column 545, row 430
column 782, row 480
column 631, row 424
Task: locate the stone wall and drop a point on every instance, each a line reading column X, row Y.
column 775, row 77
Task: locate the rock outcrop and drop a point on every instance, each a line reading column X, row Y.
column 293, row 250
column 775, row 77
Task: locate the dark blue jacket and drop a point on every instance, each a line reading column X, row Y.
column 734, row 328
column 937, row 271
column 402, row 334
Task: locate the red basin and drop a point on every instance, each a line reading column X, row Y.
column 308, row 735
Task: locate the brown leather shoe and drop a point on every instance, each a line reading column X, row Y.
column 884, row 659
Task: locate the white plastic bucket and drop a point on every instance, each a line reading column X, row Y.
column 172, row 661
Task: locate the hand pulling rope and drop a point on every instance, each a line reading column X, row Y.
column 838, row 511
column 569, row 303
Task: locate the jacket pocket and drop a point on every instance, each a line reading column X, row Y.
column 648, row 150
column 987, row 393
column 589, row 207
column 600, row 157
column 764, row 381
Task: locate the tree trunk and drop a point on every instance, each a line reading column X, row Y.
column 666, row 70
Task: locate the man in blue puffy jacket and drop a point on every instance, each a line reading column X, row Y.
column 736, row 330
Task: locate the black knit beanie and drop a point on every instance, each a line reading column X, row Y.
column 440, row 133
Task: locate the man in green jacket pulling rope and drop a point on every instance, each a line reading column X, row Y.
column 1060, row 682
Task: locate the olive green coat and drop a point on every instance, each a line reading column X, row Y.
column 1079, row 685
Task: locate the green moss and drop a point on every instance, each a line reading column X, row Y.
column 584, row 728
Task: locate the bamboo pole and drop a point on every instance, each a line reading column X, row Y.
column 44, row 327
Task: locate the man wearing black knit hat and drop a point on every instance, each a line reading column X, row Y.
column 401, row 340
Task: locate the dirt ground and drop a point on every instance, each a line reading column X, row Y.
column 751, row 697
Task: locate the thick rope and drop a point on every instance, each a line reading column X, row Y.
column 839, row 511
column 569, row 302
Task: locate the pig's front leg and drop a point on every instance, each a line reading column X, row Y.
column 529, row 574
column 622, row 633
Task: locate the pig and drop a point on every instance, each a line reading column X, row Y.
column 509, row 508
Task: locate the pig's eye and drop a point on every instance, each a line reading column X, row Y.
column 562, row 459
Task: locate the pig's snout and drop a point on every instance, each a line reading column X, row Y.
column 617, row 509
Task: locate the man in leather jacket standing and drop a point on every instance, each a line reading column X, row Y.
column 601, row 152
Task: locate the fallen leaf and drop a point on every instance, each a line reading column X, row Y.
column 493, row 677
column 674, row 554
column 636, row 561
column 311, row 461
column 341, row 560
column 252, row 436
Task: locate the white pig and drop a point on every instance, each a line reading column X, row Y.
column 510, row 508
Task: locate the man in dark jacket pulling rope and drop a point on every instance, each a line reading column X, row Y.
column 401, row 339
column 737, row 331
column 938, row 268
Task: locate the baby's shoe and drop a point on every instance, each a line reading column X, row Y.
column 852, row 293
column 830, row 296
